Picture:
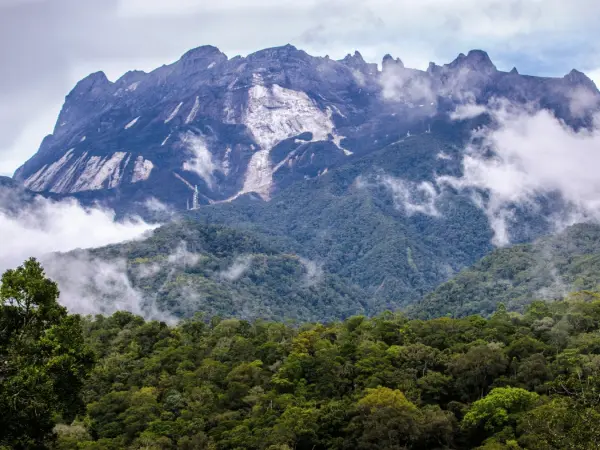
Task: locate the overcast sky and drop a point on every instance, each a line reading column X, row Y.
column 46, row 46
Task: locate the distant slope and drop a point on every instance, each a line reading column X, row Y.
column 186, row 267
column 355, row 225
column 549, row 268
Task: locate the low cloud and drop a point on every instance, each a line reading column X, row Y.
column 467, row 111
column 406, row 85
column 181, row 257
column 413, row 197
column 239, row 267
column 314, row 272
column 91, row 285
column 410, row 197
column 200, row 161
column 582, row 101
column 44, row 226
column 154, row 205
column 526, row 155
column 40, row 227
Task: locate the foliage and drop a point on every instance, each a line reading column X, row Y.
column 549, row 269
column 512, row 381
column 188, row 267
column 43, row 358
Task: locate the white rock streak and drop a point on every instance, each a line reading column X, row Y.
column 72, row 174
column 133, row 86
column 142, row 169
column 132, row 123
column 192, row 115
column 42, row 179
column 66, row 179
column 273, row 115
column 174, row 113
column 99, row 171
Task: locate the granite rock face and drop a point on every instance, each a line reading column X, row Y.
column 257, row 124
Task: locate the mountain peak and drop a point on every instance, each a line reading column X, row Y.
column 575, row 77
column 95, row 84
column 475, row 60
column 202, row 56
column 282, row 50
column 201, row 52
column 389, row 61
column 357, row 58
column 94, row 79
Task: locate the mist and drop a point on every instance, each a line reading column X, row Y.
column 40, row 227
column 527, row 154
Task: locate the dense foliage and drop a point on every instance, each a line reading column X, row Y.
column 188, row 267
column 43, row 359
column 549, row 269
column 512, row 381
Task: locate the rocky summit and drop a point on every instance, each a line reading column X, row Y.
column 209, row 129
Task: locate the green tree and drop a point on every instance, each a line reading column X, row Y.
column 385, row 420
column 499, row 410
column 43, row 358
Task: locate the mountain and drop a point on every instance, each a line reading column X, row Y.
column 185, row 267
column 333, row 161
column 259, row 123
column 547, row 269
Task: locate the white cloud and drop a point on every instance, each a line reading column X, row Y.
column 90, row 285
column 153, row 204
column 413, row 197
column 410, row 197
column 467, row 111
column 582, row 101
column 87, row 285
column 535, row 154
column 238, row 268
column 46, row 226
column 201, row 161
column 181, row 257
column 314, row 272
column 399, row 84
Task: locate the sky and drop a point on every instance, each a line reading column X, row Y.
column 48, row 45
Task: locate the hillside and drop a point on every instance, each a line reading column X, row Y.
column 361, row 230
column 549, row 268
column 186, row 268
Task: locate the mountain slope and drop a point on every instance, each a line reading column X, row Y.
column 184, row 268
column 549, row 268
column 357, row 221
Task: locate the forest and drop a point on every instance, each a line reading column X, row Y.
column 513, row 380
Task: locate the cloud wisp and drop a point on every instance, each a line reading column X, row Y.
column 200, row 161
column 525, row 155
column 238, row 268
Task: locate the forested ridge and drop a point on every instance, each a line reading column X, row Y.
column 548, row 268
column 510, row 381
